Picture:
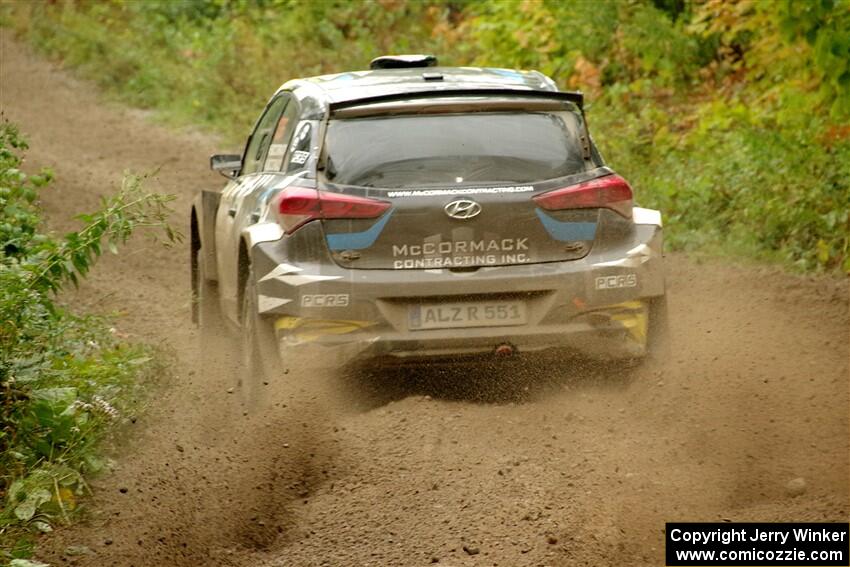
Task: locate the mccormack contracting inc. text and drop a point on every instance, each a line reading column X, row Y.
column 762, row 544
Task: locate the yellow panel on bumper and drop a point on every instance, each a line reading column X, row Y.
column 300, row 329
column 634, row 316
column 631, row 316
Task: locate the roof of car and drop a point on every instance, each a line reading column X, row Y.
column 355, row 85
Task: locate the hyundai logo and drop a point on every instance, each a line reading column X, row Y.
column 462, row 209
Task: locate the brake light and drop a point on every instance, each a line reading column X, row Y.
column 299, row 205
column 609, row 192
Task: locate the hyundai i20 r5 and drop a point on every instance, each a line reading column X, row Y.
column 413, row 212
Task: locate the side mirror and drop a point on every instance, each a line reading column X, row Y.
column 226, row 164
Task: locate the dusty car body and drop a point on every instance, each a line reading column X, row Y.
column 413, row 213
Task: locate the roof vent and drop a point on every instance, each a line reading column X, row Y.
column 403, row 61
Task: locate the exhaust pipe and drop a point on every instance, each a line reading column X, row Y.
column 505, row 349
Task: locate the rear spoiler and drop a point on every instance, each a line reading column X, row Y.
column 576, row 98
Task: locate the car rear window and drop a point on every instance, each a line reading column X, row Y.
column 453, row 149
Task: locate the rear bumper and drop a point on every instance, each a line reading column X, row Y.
column 597, row 305
column 606, row 341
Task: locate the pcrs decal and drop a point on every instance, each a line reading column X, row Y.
column 325, row 300
column 616, row 282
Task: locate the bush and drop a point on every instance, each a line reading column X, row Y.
column 64, row 379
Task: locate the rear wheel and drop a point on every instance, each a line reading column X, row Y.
column 259, row 349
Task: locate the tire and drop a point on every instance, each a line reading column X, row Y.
column 260, row 360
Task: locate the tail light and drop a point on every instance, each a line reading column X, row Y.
column 609, row 192
column 299, row 205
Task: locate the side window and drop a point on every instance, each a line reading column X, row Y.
column 299, row 155
column 258, row 145
column 280, row 139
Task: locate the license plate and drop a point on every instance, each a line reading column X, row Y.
column 469, row 314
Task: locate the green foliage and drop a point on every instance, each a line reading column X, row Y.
column 733, row 116
column 825, row 25
column 611, row 42
column 63, row 378
column 18, row 194
column 732, row 178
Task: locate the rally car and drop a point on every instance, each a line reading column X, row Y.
column 412, row 213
